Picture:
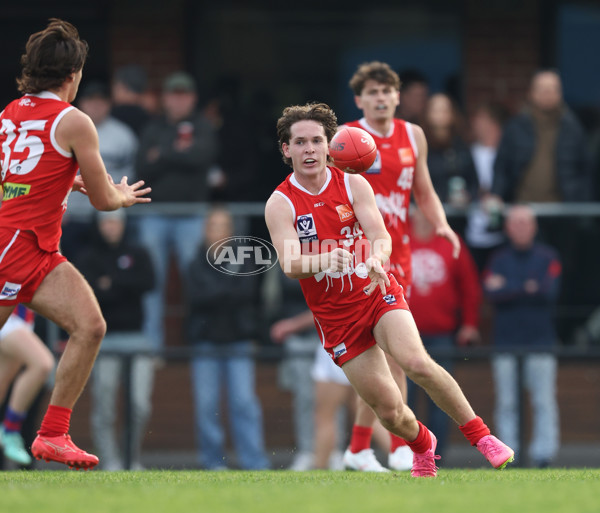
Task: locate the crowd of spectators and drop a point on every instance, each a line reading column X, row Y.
column 219, row 147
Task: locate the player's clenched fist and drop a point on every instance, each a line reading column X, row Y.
column 338, row 260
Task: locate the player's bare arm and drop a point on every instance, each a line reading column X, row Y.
column 427, row 199
column 76, row 133
column 284, row 237
column 371, row 222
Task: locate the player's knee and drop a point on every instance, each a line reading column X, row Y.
column 420, row 368
column 390, row 413
column 94, row 329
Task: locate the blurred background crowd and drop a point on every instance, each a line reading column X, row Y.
column 185, row 96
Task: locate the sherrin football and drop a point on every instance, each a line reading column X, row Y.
column 353, row 149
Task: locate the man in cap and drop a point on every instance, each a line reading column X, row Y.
column 128, row 89
column 176, row 153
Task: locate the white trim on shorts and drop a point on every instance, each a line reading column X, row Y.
column 324, row 370
column 12, row 241
column 13, row 324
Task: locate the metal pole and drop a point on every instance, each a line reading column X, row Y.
column 521, row 407
column 127, row 360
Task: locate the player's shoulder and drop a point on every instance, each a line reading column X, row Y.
column 76, row 122
column 359, row 185
column 277, row 203
column 279, row 210
column 417, row 130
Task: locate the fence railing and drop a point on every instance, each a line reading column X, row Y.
column 547, row 213
column 186, row 354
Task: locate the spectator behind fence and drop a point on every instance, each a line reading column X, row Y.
column 128, row 89
column 120, row 274
column 118, row 147
column 522, row 280
column 221, row 326
column 295, row 329
column 235, row 177
column 450, row 164
column 484, row 220
column 542, row 155
column 445, row 302
column 414, row 91
column 176, row 152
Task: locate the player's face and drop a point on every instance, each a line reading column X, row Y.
column 378, row 101
column 308, row 147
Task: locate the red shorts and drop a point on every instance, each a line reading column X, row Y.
column 348, row 341
column 23, row 265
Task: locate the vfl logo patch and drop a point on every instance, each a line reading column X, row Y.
column 10, row 290
column 390, row 299
column 406, row 156
column 345, row 212
column 339, row 350
column 305, row 226
column 375, row 169
column 14, row 190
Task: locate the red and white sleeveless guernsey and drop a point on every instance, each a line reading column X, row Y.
column 37, row 174
column 391, row 177
column 326, row 221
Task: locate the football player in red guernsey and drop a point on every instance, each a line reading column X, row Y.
column 400, row 167
column 329, row 234
column 43, row 142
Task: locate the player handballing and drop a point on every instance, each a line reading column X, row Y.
column 400, row 166
column 317, row 219
column 44, row 141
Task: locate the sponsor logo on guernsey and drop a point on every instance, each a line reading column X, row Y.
column 406, row 156
column 305, row 226
column 320, row 204
column 390, row 299
column 10, row 290
column 14, row 190
column 345, row 212
column 27, row 102
column 339, row 350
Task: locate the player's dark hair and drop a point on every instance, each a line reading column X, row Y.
column 375, row 70
column 51, row 55
column 319, row 112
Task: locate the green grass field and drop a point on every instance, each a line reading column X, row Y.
column 454, row 491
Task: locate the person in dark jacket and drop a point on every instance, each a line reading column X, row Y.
column 522, row 281
column 120, row 274
column 542, row 155
column 176, row 152
column 451, row 167
column 221, row 326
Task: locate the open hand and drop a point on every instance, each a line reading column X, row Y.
column 133, row 193
column 378, row 276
